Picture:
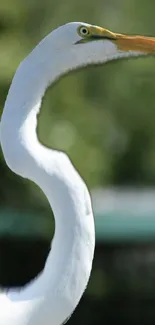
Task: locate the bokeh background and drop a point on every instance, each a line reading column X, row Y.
column 104, row 118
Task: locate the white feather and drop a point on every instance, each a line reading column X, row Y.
column 53, row 295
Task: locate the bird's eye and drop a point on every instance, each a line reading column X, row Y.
column 83, row 31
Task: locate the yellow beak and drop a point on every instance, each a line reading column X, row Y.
column 124, row 42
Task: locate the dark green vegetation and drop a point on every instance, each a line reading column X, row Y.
column 104, row 118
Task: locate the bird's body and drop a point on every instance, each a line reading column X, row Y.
column 52, row 297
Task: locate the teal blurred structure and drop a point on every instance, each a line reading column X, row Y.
column 124, row 215
column 121, row 215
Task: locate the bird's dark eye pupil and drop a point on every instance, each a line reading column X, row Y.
column 83, row 31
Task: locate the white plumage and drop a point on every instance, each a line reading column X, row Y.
column 52, row 297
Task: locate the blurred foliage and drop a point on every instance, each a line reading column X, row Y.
column 105, row 113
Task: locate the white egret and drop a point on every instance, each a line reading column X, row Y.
column 52, row 296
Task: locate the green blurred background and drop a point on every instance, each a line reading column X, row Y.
column 104, row 119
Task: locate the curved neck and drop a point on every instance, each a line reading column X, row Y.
column 61, row 284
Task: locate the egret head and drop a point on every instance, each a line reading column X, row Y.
column 90, row 44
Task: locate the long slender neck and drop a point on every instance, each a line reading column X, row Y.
column 69, row 263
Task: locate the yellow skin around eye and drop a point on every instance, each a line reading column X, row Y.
column 123, row 42
column 95, row 31
column 101, row 32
